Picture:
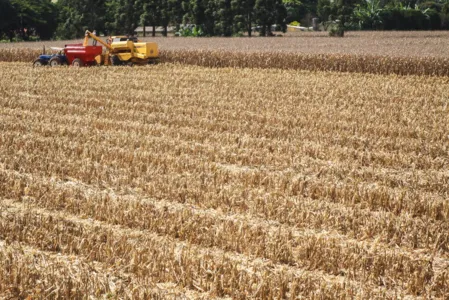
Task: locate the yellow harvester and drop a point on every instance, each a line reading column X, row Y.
column 124, row 50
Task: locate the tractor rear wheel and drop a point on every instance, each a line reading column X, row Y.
column 54, row 61
column 77, row 62
column 38, row 63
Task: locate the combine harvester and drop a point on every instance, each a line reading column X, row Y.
column 120, row 50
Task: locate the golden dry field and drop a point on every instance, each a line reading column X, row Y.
column 184, row 182
column 392, row 43
column 402, row 53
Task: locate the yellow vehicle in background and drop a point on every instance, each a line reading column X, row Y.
column 123, row 50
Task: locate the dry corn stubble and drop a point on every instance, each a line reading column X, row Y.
column 229, row 182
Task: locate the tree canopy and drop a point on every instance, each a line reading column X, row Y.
column 68, row 19
column 24, row 18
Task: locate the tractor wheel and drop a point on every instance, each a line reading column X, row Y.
column 54, row 62
column 129, row 63
column 77, row 62
column 115, row 61
column 38, row 63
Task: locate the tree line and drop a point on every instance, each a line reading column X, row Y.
column 68, row 19
column 386, row 14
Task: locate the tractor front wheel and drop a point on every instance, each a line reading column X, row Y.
column 77, row 62
column 55, row 62
column 38, row 63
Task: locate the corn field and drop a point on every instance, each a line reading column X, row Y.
column 432, row 66
column 177, row 181
column 376, row 43
column 402, row 53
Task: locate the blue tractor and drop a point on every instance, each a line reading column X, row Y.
column 51, row 59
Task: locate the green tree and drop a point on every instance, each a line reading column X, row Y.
column 71, row 24
column 177, row 12
column 368, row 14
column 243, row 11
column 164, row 15
column 345, row 10
column 47, row 24
column 223, row 24
column 8, row 19
column 295, row 10
column 150, row 15
column 126, row 15
column 35, row 16
column 281, row 15
column 325, row 10
column 262, row 12
column 269, row 12
column 210, row 18
column 444, row 15
column 75, row 16
column 202, row 13
column 197, row 11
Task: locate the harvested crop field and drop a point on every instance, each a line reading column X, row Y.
column 179, row 181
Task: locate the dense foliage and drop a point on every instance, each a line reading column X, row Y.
column 67, row 19
column 25, row 18
column 384, row 15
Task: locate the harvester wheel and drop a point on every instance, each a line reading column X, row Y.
column 54, row 62
column 115, row 61
column 38, row 63
column 77, row 62
column 130, row 64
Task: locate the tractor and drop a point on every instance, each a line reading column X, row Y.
column 51, row 59
column 73, row 54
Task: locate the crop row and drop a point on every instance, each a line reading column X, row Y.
column 30, row 272
column 231, row 182
column 366, row 261
column 210, row 186
column 360, row 63
column 160, row 259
